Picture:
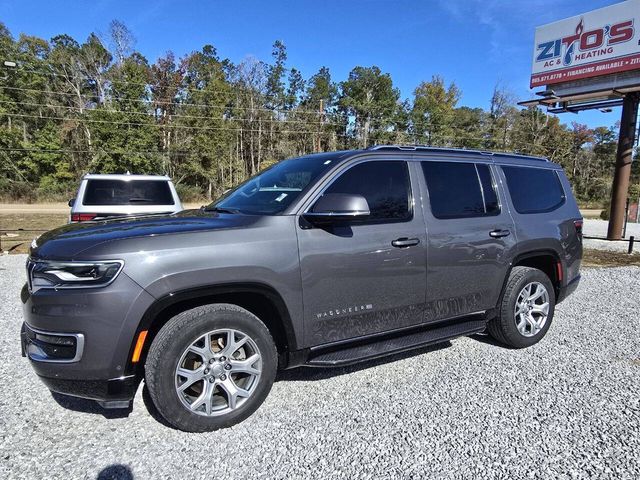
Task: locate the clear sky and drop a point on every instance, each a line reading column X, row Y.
column 475, row 43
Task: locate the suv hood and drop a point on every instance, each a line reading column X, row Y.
column 63, row 243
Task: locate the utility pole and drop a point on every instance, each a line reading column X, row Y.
column 624, row 157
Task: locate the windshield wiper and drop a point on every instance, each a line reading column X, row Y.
column 141, row 200
column 222, row 210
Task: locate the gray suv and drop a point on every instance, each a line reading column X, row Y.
column 323, row 260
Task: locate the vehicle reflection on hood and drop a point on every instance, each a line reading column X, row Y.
column 139, row 226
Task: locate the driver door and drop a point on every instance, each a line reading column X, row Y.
column 355, row 281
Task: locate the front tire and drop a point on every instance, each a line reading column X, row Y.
column 210, row 367
column 526, row 309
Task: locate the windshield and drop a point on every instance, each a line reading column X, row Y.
column 273, row 190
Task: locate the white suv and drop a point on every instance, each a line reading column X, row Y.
column 103, row 196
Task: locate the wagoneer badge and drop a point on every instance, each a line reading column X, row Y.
column 344, row 311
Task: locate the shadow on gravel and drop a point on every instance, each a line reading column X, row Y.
column 306, row 374
column 488, row 339
column 83, row 405
column 116, row 471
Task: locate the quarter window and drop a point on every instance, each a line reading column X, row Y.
column 384, row 184
column 460, row 190
column 534, row 190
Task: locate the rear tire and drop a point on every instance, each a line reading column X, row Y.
column 210, row 367
column 526, row 309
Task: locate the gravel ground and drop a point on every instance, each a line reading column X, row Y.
column 598, row 228
column 565, row 408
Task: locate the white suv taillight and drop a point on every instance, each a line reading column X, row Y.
column 83, row 217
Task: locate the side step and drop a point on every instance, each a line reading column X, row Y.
column 348, row 354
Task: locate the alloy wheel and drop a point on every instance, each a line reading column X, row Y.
column 218, row 372
column 532, row 309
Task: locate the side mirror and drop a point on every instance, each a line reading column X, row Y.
column 338, row 207
column 71, row 202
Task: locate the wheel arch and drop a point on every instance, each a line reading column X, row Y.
column 546, row 260
column 261, row 300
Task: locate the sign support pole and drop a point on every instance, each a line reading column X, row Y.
column 622, row 173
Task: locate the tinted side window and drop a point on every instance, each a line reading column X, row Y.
column 385, row 185
column 534, row 190
column 130, row 192
column 458, row 190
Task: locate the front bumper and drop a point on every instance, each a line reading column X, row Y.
column 100, row 324
column 115, row 392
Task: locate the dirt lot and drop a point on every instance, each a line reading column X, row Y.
column 20, row 223
column 50, row 208
column 17, row 229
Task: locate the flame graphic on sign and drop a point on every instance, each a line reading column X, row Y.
column 571, row 41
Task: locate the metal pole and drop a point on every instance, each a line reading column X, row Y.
column 630, row 249
column 623, row 165
column 626, row 217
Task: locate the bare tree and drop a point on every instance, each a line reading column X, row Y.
column 122, row 40
column 502, row 115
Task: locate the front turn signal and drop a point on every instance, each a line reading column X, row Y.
column 135, row 358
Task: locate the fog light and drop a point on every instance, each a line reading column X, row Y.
column 53, row 347
column 56, row 340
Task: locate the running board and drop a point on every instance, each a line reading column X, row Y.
column 348, row 354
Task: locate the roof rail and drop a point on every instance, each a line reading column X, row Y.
column 427, row 148
column 396, row 147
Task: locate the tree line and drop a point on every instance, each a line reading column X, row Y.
column 68, row 108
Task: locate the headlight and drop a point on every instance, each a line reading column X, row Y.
column 50, row 274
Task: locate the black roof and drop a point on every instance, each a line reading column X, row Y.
column 443, row 152
column 456, row 151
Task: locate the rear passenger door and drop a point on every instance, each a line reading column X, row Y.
column 471, row 238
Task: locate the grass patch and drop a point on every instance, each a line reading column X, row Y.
column 603, row 258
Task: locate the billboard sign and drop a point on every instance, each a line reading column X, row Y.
column 599, row 42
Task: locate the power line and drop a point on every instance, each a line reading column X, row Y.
column 173, row 152
column 93, row 98
column 317, row 113
column 185, row 127
column 69, row 107
column 98, row 150
column 226, row 107
column 154, row 125
column 437, row 137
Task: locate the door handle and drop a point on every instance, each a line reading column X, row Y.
column 405, row 242
column 499, row 233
